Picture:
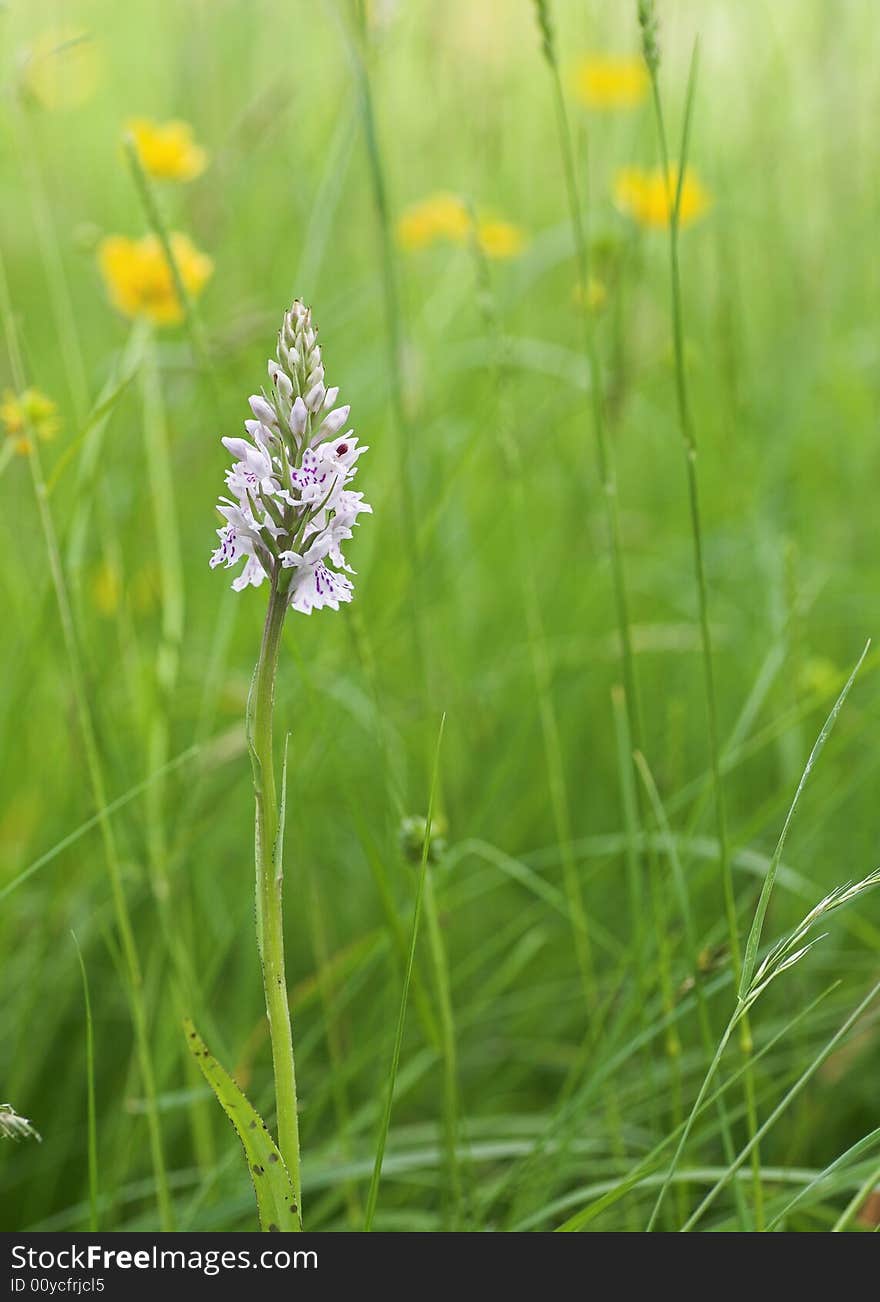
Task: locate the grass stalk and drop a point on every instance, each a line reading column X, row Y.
column 172, row 916
column 91, row 1110
column 373, row 1195
column 539, row 656
column 604, row 455
column 440, row 966
column 859, row 1198
column 704, row 1021
column 159, row 226
column 95, row 771
column 784, row 1102
column 357, row 42
column 335, row 1045
column 689, row 442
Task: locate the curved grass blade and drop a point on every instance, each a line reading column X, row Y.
column 754, row 940
column 91, row 1113
column 95, row 819
column 276, row 1204
column 780, row 1108
column 863, row 1145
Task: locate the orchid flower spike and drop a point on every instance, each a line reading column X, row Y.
column 290, row 505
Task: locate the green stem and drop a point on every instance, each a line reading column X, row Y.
column 373, row 1194
column 95, row 770
column 690, row 450
column 440, row 965
column 698, row 1103
column 359, row 53
column 604, row 458
column 160, row 229
column 91, row 1112
column 268, row 839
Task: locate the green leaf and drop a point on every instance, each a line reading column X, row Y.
column 276, row 1203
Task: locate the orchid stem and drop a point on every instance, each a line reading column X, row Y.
column 268, row 840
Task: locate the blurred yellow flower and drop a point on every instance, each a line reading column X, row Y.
column 446, row 217
column 30, row 410
column 607, row 81
column 647, row 196
column 139, row 280
column 438, row 217
column 168, row 150
column 500, row 239
column 62, row 68
column 106, row 589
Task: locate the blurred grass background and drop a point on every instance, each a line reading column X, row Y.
column 781, row 290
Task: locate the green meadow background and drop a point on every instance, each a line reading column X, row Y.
column 519, row 1102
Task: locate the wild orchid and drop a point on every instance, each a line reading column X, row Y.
column 288, row 511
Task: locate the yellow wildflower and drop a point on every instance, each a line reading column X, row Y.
column 62, row 68
column 106, row 588
column 500, row 239
column 648, row 196
column 168, row 150
column 139, row 280
column 446, row 217
column 30, row 410
column 608, row 81
column 438, row 217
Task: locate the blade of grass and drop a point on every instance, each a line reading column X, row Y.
column 373, row 1195
column 95, row 770
column 788, row 1098
column 855, row 1150
column 440, row 966
column 781, row 957
column 119, row 803
column 754, row 937
column 865, row 1190
column 357, row 46
column 689, row 444
column 633, row 1178
column 91, row 1114
column 605, row 462
column 680, row 886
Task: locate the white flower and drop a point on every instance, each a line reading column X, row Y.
column 12, row 1126
column 315, row 586
column 291, row 508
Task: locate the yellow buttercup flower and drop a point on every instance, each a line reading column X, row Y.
column 648, row 196
column 168, row 150
column 438, row 217
column 139, row 280
column 62, row 68
column 607, row 81
column 446, row 218
column 500, row 239
column 30, row 410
